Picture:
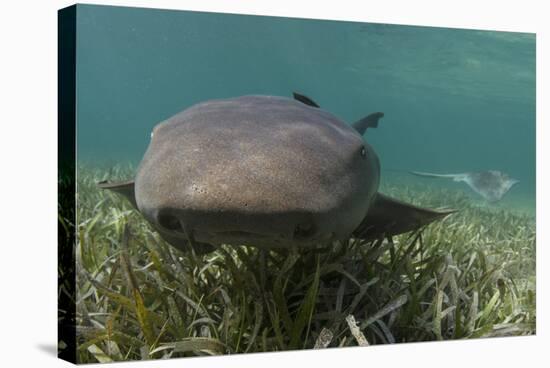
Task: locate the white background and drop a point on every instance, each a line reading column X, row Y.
column 28, row 149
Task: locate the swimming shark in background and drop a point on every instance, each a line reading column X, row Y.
column 265, row 171
column 491, row 185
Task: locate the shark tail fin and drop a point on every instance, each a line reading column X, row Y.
column 388, row 216
column 370, row 121
column 124, row 188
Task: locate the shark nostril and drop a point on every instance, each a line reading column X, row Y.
column 168, row 221
column 304, row 231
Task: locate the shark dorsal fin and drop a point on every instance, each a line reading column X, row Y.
column 370, row 121
column 304, row 99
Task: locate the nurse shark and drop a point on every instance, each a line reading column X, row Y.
column 265, row 171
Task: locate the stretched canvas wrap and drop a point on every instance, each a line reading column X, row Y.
column 233, row 184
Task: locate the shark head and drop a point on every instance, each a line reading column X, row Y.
column 264, row 171
column 256, row 170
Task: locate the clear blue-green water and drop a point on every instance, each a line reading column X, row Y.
column 454, row 100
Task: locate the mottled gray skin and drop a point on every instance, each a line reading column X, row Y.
column 265, row 171
column 259, row 170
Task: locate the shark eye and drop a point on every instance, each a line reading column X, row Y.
column 363, row 152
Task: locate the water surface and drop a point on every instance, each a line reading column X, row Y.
column 454, row 100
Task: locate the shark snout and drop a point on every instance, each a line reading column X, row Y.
column 238, row 228
column 169, row 221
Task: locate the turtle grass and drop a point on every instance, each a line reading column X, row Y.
column 471, row 275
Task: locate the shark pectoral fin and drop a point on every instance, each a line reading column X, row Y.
column 304, row 99
column 388, row 217
column 370, row 121
column 125, row 188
